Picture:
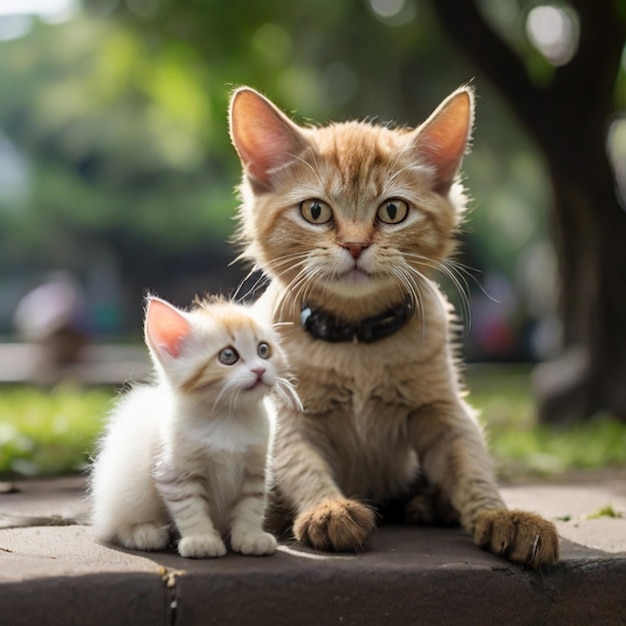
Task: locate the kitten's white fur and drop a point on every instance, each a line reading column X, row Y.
column 191, row 447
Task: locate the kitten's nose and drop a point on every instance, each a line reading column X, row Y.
column 355, row 248
column 259, row 370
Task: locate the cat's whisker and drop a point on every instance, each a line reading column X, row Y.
column 293, row 289
column 289, row 258
column 462, row 289
column 290, row 262
column 407, row 283
column 259, row 283
column 468, row 271
column 436, row 296
column 457, row 281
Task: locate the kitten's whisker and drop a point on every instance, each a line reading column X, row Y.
column 287, row 390
column 234, row 400
column 218, row 399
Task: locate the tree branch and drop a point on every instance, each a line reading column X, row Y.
column 546, row 111
column 467, row 27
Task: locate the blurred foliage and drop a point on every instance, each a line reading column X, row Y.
column 46, row 433
column 51, row 432
column 521, row 447
column 114, row 125
column 118, row 119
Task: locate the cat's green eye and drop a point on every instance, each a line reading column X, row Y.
column 228, row 356
column 264, row 350
column 392, row 211
column 316, row 211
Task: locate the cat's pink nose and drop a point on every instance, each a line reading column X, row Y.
column 355, row 248
column 259, row 371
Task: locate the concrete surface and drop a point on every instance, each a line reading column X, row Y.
column 52, row 572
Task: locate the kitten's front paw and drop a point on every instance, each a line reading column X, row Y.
column 145, row 537
column 201, row 546
column 336, row 524
column 257, row 543
column 519, row 536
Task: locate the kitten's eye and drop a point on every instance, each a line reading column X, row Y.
column 392, row 211
column 316, row 211
column 264, row 350
column 228, row 356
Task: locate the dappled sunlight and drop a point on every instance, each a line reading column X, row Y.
column 553, row 30
column 17, row 17
column 616, row 148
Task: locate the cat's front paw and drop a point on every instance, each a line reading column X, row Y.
column 201, row 547
column 145, row 537
column 257, row 543
column 519, row 536
column 336, row 524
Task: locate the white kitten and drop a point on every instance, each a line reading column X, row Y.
column 191, row 448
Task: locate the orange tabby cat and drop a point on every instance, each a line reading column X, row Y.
column 349, row 221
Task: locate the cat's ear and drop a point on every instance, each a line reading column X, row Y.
column 166, row 327
column 264, row 137
column 443, row 139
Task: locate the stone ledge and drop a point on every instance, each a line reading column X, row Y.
column 59, row 575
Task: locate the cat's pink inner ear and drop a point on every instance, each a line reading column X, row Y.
column 166, row 327
column 443, row 139
column 263, row 136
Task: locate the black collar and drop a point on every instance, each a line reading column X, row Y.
column 326, row 327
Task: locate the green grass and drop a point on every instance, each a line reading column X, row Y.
column 54, row 432
column 520, row 446
column 605, row 511
column 49, row 432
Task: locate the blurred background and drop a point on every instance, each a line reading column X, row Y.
column 117, row 173
column 116, row 166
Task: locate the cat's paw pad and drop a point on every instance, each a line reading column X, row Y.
column 145, row 537
column 519, row 536
column 257, row 543
column 201, row 546
column 336, row 524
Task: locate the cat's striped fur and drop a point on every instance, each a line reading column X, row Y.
column 352, row 218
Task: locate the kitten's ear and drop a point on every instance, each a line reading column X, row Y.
column 443, row 139
column 165, row 327
column 264, row 137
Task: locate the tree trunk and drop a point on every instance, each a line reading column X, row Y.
column 569, row 120
column 589, row 237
